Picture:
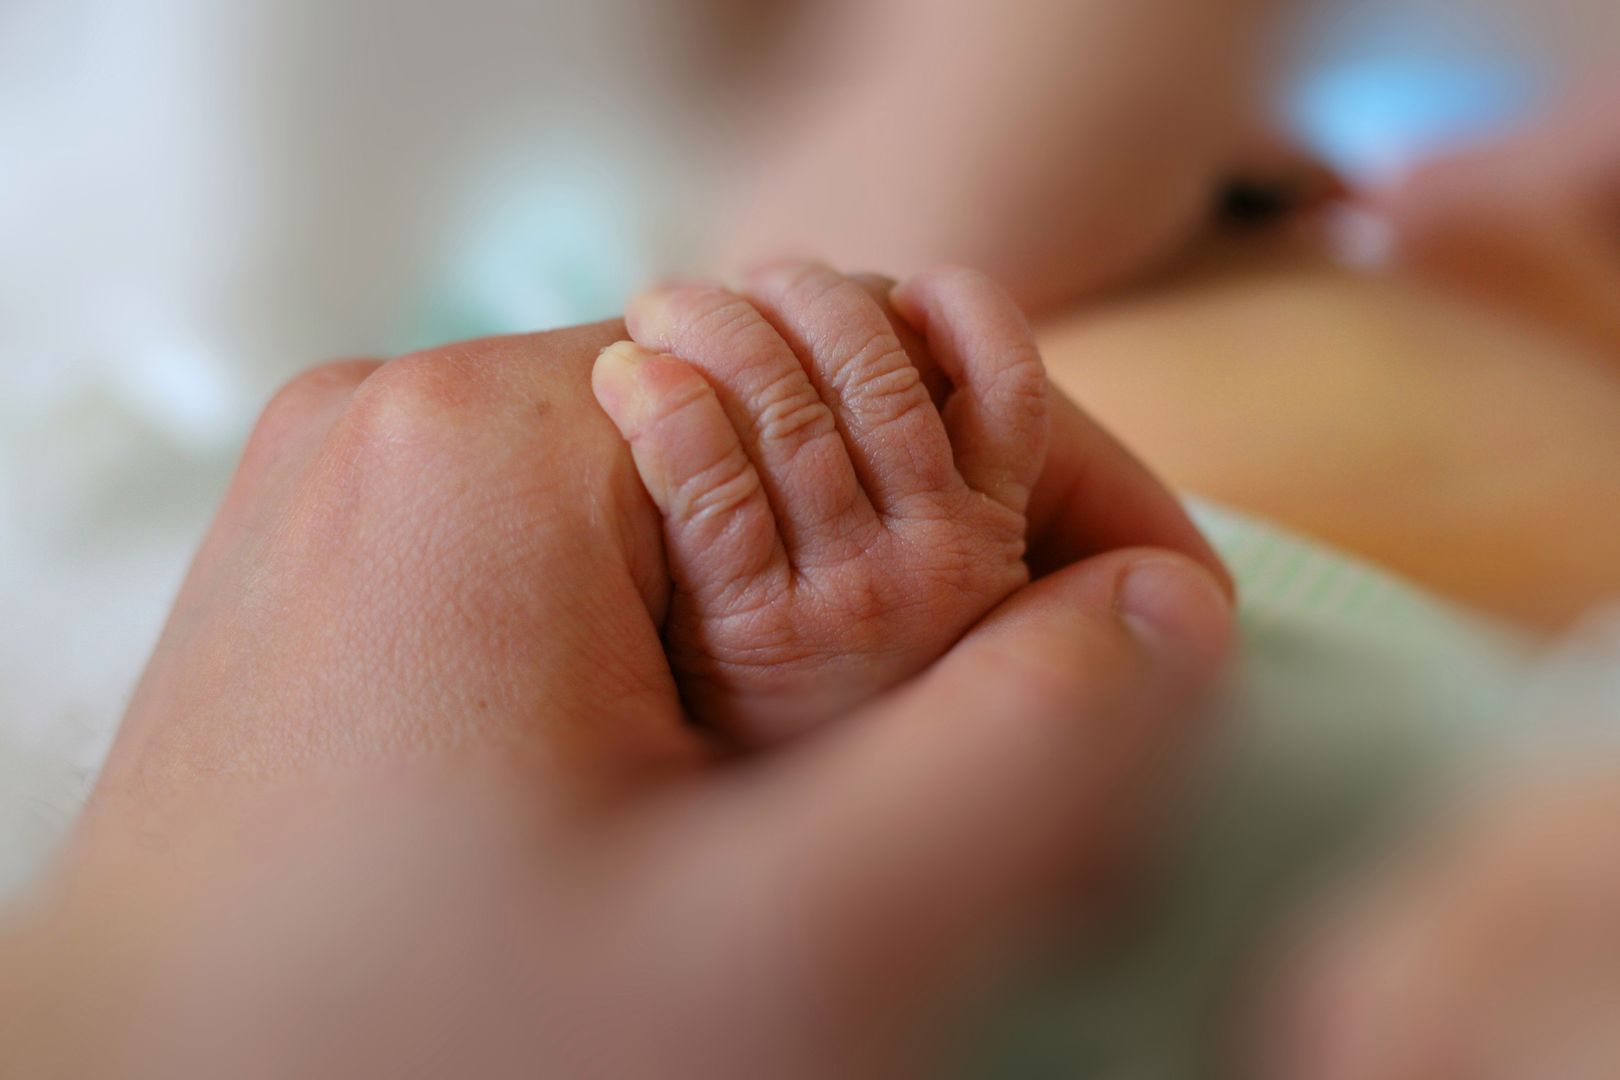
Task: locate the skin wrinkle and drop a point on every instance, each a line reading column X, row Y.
column 841, row 540
column 726, row 318
column 691, row 393
column 840, row 532
column 744, row 595
column 1020, row 381
column 1008, row 395
column 931, row 473
column 729, row 462
column 874, row 354
column 852, row 356
column 857, row 614
column 726, row 585
column 805, row 286
column 793, row 416
column 789, row 664
column 658, row 320
column 719, row 488
column 869, row 359
column 831, row 623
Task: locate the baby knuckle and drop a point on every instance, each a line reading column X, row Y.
column 890, row 391
column 867, row 352
column 719, row 489
column 809, row 286
column 792, row 415
column 720, row 317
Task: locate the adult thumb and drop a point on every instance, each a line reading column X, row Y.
column 942, row 818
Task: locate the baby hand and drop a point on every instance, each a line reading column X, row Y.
column 831, row 527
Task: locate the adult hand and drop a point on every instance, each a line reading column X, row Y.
column 406, row 787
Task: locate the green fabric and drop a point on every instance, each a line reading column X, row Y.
column 1354, row 694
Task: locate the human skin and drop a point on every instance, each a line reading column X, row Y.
column 1457, row 408
column 1455, row 443
column 1455, row 419
column 1045, row 151
column 1474, row 452
column 1063, row 148
column 831, row 527
column 1528, row 222
column 1488, row 950
column 406, row 786
column 1489, row 947
column 1472, row 447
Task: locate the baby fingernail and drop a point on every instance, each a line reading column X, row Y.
column 613, row 378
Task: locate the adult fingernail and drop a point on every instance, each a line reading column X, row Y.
column 1178, row 611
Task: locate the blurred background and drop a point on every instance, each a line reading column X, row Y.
column 200, row 197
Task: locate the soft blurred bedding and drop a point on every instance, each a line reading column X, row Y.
column 199, row 197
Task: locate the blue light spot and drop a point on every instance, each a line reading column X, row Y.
column 1372, row 116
